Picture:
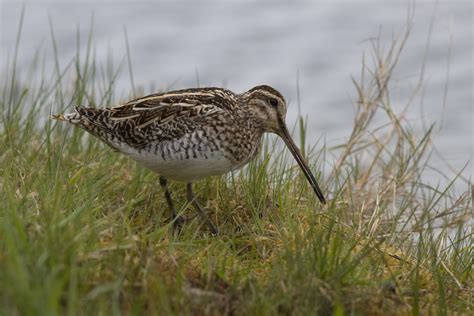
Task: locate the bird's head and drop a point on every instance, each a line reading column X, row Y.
column 268, row 106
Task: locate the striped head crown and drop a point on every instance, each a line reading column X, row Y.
column 268, row 105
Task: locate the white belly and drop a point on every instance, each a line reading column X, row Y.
column 188, row 169
column 179, row 169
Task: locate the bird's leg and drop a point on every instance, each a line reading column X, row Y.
column 192, row 199
column 177, row 220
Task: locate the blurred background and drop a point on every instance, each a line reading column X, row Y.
column 316, row 45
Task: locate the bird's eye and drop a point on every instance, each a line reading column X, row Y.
column 273, row 102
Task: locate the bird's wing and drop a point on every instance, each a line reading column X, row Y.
column 158, row 109
column 160, row 117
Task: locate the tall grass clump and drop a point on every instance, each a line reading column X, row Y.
column 83, row 230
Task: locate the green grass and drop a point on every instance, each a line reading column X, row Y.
column 83, row 230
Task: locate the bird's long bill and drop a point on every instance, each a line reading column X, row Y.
column 299, row 158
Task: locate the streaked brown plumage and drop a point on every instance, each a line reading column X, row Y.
column 189, row 134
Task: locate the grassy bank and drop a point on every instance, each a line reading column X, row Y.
column 84, row 230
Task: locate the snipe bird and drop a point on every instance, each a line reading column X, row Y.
column 189, row 134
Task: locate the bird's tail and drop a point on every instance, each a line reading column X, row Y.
column 73, row 118
column 92, row 121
